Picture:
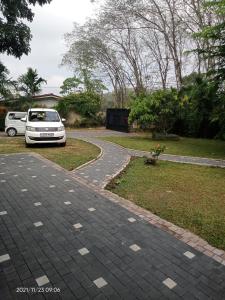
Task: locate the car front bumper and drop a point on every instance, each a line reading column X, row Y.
column 33, row 137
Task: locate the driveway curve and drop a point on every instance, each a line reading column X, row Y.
column 114, row 157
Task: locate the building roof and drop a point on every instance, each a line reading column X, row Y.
column 47, row 96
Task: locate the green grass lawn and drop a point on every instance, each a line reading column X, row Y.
column 73, row 155
column 185, row 146
column 192, row 197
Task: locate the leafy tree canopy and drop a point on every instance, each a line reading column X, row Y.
column 15, row 35
column 158, row 108
column 85, row 82
column 214, row 35
column 6, row 83
column 85, row 103
column 30, row 82
column 70, row 85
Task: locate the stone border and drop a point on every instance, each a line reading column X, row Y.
column 90, row 161
column 181, row 234
column 107, row 181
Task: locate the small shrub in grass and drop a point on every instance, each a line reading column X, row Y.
column 155, row 152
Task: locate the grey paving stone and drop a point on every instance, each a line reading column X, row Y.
column 106, row 233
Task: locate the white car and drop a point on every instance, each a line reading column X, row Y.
column 13, row 123
column 44, row 125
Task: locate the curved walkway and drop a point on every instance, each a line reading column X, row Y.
column 114, row 157
column 112, row 161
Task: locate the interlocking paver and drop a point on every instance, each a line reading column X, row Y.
column 100, row 282
column 55, row 250
column 4, row 257
column 42, row 280
column 189, row 254
column 83, row 251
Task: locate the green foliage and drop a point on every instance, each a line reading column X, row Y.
column 200, row 100
column 92, row 85
column 214, row 35
column 86, row 104
column 158, row 108
column 70, row 85
column 15, row 35
column 157, row 150
column 21, row 104
column 85, row 83
column 30, row 83
column 5, row 82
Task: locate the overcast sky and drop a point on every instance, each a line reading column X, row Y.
column 50, row 23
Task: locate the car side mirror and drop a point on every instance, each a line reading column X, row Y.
column 24, row 119
column 63, row 120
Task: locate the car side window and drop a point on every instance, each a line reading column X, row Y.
column 15, row 116
column 11, row 116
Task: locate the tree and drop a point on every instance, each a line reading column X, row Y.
column 15, row 35
column 30, row 83
column 6, row 84
column 85, row 103
column 70, row 85
column 200, row 98
column 158, row 108
column 215, row 36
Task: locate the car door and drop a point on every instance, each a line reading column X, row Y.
column 20, row 125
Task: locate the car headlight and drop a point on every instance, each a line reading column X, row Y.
column 61, row 128
column 29, row 128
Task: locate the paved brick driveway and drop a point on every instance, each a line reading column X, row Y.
column 57, row 233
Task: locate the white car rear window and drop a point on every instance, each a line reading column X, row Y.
column 16, row 116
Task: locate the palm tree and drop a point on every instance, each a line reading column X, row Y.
column 6, row 83
column 30, row 83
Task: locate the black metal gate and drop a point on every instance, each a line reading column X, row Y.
column 117, row 119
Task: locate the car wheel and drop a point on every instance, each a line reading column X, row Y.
column 63, row 144
column 11, row 132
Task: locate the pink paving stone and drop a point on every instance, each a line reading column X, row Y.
column 208, row 253
column 199, row 248
column 173, row 228
column 202, row 243
column 218, row 252
column 208, row 247
column 191, row 244
column 217, row 258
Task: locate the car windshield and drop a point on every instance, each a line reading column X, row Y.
column 43, row 116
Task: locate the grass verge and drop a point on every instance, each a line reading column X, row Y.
column 192, row 197
column 185, row 146
column 73, row 155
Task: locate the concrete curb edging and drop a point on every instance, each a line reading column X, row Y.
column 91, row 161
column 104, row 184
